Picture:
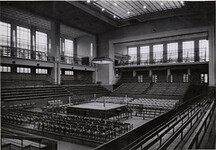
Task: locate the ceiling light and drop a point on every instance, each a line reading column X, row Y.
column 114, row 16
column 102, row 9
column 144, row 7
column 161, row 4
column 102, row 60
column 115, row 4
column 182, row 2
column 128, row 13
column 88, row 1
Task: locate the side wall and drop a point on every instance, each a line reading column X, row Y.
column 144, row 31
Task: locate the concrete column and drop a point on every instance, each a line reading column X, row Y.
column 138, row 55
column 196, row 50
column 95, row 75
column 151, row 54
column 55, row 51
column 33, row 42
column 168, row 75
column 189, row 73
column 180, row 51
column 13, row 36
column 13, row 40
column 76, row 48
column 150, row 74
column 165, row 52
column 134, row 73
column 212, row 57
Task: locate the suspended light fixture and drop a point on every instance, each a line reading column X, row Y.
column 102, row 60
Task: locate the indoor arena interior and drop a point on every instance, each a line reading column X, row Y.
column 108, row 75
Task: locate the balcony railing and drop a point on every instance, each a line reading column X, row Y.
column 170, row 58
column 7, row 51
column 76, row 60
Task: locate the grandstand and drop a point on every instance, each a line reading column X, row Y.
column 108, row 75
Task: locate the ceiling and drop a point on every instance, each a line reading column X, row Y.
column 128, row 9
column 89, row 17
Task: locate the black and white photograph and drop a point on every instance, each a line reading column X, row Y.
column 108, row 75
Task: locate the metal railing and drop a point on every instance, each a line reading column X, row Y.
column 76, row 60
column 7, row 51
column 197, row 55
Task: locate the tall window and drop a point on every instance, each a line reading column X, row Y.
column 203, row 50
column 144, row 54
column 23, row 38
column 5, row 38
column 69, row 48
column 132, row 52
column 158, row 53
column 5, row 34
column 172, row 52
column 41, row 46
column 23, row 42
column 204, row 78
column 91, row 49
column 140, row 78
column 188, row 51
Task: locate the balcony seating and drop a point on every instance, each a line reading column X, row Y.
column 30, row 93
column 87, row 89
column 154, row 103
column 132, row 88
column 19, row 106
column 174, row 89
column 22, row 82
column 76, row 82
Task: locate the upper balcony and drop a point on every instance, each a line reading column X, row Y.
column 160, row 59
column 22, row 55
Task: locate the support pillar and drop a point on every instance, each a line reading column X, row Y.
column 165, row 53
column 196, row 50
column 150, row 75
column 212, row 57
column 151, row 54
column 168, row 75
column 180, row 52
column 55, row 51
column 189, row 73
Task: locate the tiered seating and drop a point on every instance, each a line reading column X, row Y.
column 22, row 82
column 77, row 82
column 118, row 100
column 89, row 128
column 154, row 103
column 29, row 93
column 56, row 106
column 87, row 89
column 16, row 144
column 20, row 106
column 55, row 102
column 178, row 132
column 174, row 89
column 132, row 88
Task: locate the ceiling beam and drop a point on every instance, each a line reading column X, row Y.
column 165, row 14
column 93, row 12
